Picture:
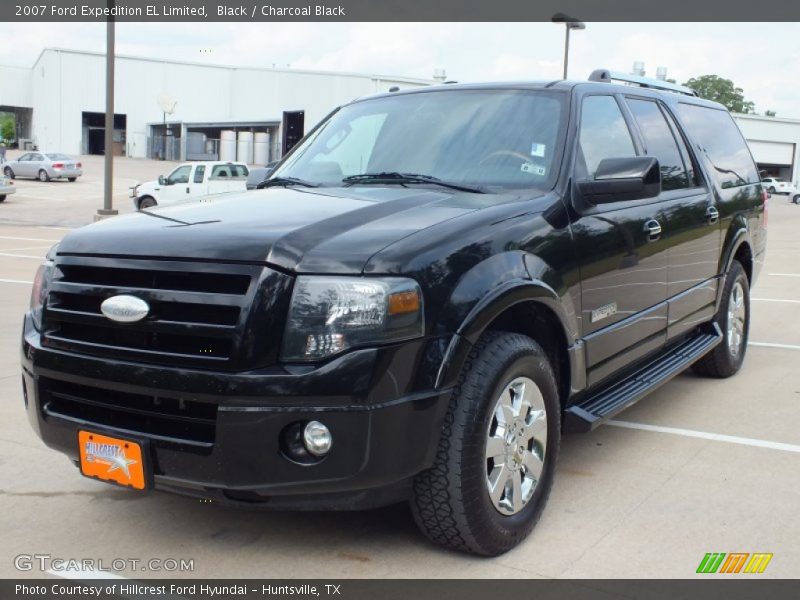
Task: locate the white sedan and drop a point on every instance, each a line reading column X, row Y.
column 7, row 187
column 775, row 185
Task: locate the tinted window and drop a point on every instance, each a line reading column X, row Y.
column 660, row 143
column 199, row 173
column 603, row 134
column 719, row 138
column 229, row 171
column 486, row 138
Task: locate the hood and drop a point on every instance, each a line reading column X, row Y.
column 302, row 230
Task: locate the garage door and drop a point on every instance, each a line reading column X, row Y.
column 772, row 153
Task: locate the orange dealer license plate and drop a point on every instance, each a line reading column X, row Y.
column 111, row 459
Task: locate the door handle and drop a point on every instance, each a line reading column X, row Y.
column 653, row 230
column 712, row 215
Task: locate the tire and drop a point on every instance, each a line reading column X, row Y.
column 796, row 199
column 727, row 358
column 72, row 179
column 2, row 197
column 771, row 189
column 451, row 501
column 43, row 176
column 147, row 202
column 8, row 172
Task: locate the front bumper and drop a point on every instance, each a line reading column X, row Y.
column 384, row 430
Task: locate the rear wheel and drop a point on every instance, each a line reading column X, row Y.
column 497, row 452
column 734, row 320
column 146, row 202
column 43, row 176
column 72, row 179
column 796, row 199
column 2, row 197
column 771, row 189
column 8, row 172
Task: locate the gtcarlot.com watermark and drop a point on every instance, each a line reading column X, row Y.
column 48, row 562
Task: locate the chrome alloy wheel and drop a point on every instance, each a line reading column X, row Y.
column 736, row 317
column 515, row 445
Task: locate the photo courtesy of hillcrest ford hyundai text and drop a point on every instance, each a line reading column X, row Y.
column 427, row 291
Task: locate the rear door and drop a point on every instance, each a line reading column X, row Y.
column 623, row 258
column 691, row 227
column 197, row 183
column 37, row 162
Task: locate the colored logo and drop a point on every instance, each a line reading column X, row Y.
column 734, row 562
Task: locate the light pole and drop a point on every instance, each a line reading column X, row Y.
column 570, row 23
column 108, row 207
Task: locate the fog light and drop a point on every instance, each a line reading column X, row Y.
column 317, row 438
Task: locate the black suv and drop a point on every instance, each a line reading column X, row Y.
column 435, row 285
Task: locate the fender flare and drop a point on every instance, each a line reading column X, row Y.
column 488, row 308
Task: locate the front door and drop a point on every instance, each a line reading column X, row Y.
column 177, row 188
column 622, row 252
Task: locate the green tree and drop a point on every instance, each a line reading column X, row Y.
column 7, row 128
column 719, row 89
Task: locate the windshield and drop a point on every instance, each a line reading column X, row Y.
column 478, row 138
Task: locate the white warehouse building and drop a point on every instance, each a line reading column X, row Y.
column 59, row 105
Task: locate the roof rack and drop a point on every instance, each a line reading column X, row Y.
column 606, row 76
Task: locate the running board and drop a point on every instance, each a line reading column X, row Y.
column 614, row 398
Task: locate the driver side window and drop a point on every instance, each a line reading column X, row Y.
column 179, row 175
column 603, row 134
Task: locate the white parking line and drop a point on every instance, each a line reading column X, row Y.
column 16, row 281
column 785, row 274
column 35, row 257
column 79, row 573
column 776, row 300
column 717, row 437
column 770, row 345
column 27, row 239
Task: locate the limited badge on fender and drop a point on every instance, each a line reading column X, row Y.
column 111, row 459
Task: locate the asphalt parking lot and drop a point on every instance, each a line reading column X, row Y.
column 699, row 466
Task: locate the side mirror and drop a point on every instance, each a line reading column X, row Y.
column 162, row 180
column 621, row 179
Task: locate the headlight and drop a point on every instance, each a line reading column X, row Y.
column 41, row 285
column 331, row 314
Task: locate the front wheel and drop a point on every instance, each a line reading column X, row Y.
column 146, row 202
column 497, row 452
column 2, row 197
column 43, row 176
column 796, row 199
column 734, row 320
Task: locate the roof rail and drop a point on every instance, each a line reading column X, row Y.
column 606, row 76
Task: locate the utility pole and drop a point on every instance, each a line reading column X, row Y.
column 108, row 209
column 570, row 23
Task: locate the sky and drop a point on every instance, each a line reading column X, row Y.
column 761, row 58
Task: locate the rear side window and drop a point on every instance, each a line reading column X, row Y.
column 660, row 143
column 199, row 173
column 720, row 139
column 603, row 134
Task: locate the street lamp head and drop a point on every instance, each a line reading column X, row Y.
column 570, row 22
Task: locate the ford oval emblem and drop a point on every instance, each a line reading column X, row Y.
column 125, row 309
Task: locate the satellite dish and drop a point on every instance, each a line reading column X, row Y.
column 166, row 103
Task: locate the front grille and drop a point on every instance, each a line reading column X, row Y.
column 197, row 310
column 173, row 419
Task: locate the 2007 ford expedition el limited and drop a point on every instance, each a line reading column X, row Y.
column 433, row 287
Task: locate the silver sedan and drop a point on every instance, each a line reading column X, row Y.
column 43, row 166
column 6, row 187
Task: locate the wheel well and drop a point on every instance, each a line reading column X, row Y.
column 542, row 325
column 745, row 256
column 142, row 199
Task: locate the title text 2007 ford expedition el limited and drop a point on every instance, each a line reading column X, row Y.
column 434, row 286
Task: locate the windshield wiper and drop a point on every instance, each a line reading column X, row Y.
column 285, row 181
column 394, row 177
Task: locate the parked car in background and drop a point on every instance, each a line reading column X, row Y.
column 259, row 175
column 44, row 166
column 6, row 187
column 775, row 185
column 191, row 181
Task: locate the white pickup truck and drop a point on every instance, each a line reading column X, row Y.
column 191, row 181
